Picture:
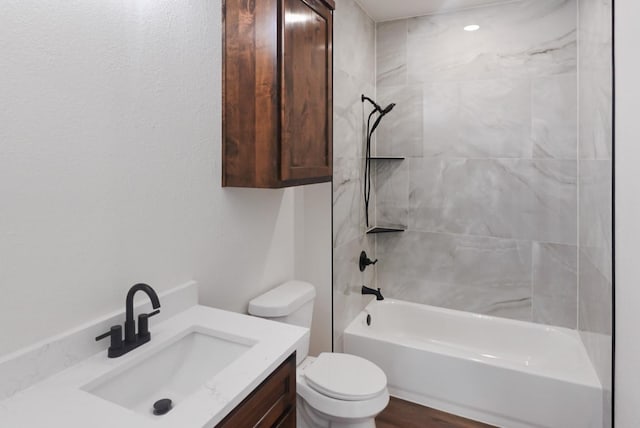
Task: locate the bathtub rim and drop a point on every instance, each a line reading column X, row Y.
column 588, row 379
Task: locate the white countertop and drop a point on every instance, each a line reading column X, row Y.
column 59, row 401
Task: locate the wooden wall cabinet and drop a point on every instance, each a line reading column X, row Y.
column 272, row 404
column 277, row 92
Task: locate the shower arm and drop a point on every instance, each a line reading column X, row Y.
column 376, row 105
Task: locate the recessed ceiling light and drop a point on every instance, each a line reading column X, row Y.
column 472, row 27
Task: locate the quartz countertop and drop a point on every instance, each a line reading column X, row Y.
column 60, row 401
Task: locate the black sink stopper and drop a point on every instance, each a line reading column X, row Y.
column 162, row 407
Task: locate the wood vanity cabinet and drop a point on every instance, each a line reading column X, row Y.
column 272, row 404
column 277, row 92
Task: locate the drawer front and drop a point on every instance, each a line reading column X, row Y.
column 272, row 404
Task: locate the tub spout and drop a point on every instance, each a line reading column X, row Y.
column 377, row 293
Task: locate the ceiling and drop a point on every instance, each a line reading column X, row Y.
column 387, row 10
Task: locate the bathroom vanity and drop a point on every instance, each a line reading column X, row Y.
column 272, row 404
column 218, row 368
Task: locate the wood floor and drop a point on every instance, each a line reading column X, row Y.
column 402, row 414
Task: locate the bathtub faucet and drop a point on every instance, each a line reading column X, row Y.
column 377, row 293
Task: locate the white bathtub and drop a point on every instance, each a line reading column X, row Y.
column 506, row 373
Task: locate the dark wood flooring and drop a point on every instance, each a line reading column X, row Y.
column 403, row 414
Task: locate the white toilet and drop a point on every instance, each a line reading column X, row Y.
column 334, row 390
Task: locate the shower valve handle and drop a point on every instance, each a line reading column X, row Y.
column 366, row 261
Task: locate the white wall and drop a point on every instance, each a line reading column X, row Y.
column 110, row 131
column 627, row 357
column 313, row 256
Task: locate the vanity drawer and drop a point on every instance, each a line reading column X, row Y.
column 272, row 404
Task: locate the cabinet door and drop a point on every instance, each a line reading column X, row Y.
column 306, row 28
column 270, row 405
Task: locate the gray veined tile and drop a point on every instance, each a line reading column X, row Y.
column 518, row 199
column 347, row 280
column 555, row 284
column 354, row 40
column 391, row 50
column 348, row 116
column 441, row 121
column 392, row 193
column 347, row 122
column 595, row 80
column 595, row 296
column 595, row 223
column 554, row 113
column 495, row 118
column 348, row 212
column 520, row 39
column 477, row 274
column 595, row 34
column 595, row 114
column 400, row 132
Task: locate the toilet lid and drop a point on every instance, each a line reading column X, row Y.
column 345, row 377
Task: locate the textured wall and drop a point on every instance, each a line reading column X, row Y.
column 354, row 74
column 110, row 166
column 595, row 187
column 487, row 120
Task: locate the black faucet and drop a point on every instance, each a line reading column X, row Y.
column 377, row 293
column 131, row 339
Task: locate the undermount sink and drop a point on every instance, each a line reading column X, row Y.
column 176, row 370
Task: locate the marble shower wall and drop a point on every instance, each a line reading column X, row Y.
column 488, row 192
column 354, row 74
column 595, row 150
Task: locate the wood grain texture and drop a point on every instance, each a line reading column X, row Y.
column 306, row 84
column 403, row 414
column 260, row 149
column 272, row 404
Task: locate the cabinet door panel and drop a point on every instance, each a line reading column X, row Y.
column 306, row 61
column 272, row 404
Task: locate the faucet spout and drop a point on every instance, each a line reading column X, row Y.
column 129, row 325
column 366, row 290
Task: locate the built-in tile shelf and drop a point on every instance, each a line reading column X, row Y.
column 387, row 158
column 383, row 229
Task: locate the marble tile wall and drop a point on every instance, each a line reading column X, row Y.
column 506, row 189
column 488, row 192
column 595, row 148
column 354, row 74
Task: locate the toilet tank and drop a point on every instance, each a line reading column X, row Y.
column 290, row 303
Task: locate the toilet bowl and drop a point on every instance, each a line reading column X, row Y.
column 333, row 390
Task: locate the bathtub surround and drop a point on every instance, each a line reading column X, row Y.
column 488, row 193
column 595, row 150
column 506, row 187
column 354, row 75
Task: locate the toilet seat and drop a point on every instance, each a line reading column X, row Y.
column 345, row 377
column 347, row 409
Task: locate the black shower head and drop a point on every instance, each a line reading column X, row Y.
column 388, row 108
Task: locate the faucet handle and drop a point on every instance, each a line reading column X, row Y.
column 143, row 323
column 365, row 261
column 115, row 333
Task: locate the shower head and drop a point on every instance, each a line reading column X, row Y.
column 377, row 107
column 382, row 114
column 388, row 108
